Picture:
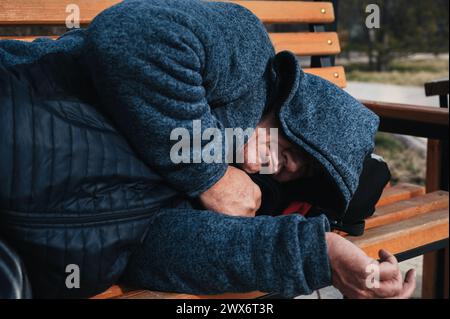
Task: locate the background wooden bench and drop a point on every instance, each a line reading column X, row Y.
column 408, row 221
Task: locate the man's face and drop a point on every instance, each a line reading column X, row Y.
column 285, row 162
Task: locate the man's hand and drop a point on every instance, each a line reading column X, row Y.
column 234, row 194
column 350, row 272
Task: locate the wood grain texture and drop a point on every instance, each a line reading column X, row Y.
column 406, row 234
column 49, row 11
column 307, row 43
column 54, row 11
column 146, row 294
column 408, row 208
column 117, row 292
column 112, row 292
column 401, row 191
column 335, row 74
column 290, row 11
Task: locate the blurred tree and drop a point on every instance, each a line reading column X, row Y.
column 407, row 26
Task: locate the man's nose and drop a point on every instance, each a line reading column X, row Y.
column 252, row 168
column 292, row 164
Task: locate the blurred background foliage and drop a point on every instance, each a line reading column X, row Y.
column 407, row 26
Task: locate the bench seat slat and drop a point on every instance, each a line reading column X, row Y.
column 401, row 191
column 147, row 294
column 406, row 234
column 112, row 292
column 121, row 293
column 408, row 208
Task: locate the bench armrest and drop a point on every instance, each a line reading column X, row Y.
column 415, row 120
column 437, row 87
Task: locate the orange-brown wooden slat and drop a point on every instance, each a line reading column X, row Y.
column 122, row 293
column 401, row 191
column 406, row 234
column 49, row 11
column 409, row 208
column 54, row 11
column 147, row 294
column 300, row 43
column 334, row 74
column 307, row 43
column 112, row 292
column 27, row 38
column 291, row 11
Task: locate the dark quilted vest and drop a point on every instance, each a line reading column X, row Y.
column 72, row 191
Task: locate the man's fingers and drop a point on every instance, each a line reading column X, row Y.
column 394, row 289
column 386, row 256
column 389, row 289
column 390, row 279
column 388, row 271
column 388, row 266
column 409, row 285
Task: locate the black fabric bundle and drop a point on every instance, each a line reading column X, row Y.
column 322, row 195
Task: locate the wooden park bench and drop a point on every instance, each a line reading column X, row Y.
column 410, row 220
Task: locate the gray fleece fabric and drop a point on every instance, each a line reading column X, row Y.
column 204, row 252
column 161, row 64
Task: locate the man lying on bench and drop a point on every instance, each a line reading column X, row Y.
column 178, row 216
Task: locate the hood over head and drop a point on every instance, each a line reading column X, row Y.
column 331, row 126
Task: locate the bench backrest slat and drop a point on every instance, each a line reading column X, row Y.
column 291, row 11
column 307, row 43
column 301, row 43
column 53, row 12
column 45, row 12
